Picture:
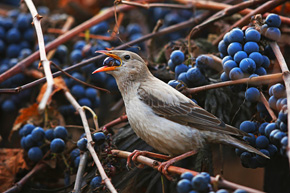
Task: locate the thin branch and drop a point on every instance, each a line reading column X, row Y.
column 222, row 183
column 44, row 61
column 117, row 121
column 150, row 5
column 80, row 172
column 90, row 143
column 286, row 78
column 19, row 185
column 266, row 79
column 266, row 104
column 259, row 10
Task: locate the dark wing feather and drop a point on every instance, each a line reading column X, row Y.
column 187, row 113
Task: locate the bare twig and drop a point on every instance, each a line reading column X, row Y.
column 266, row 104
column 117, row 121
column 286, row 78
column 222, row 183
column 259, row 10
column 90, row 143
column 266, row 79
column 150, row 5
column 44, row 61
column 80, row 172
column 19, row 185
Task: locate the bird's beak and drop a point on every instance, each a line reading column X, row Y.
column 107, row 68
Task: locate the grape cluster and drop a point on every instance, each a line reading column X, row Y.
column 190, row 76
column 198, row 184
column 34, row 138
column 271, row 27
column 269, row 138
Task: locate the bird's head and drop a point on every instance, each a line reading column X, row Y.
column 123, row 64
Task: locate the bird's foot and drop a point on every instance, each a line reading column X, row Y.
column 133, row 156
column 163, row 167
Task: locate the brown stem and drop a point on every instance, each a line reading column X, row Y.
column 245, row 20
column 117, row 121
column 265, row 102
column 266, row 79
column 222, row 183
column 19, row 185
column 150, row 5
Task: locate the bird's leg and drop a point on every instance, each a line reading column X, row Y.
column 133, row 156
column 164, row 165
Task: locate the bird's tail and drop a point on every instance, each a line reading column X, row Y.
column 243, row 145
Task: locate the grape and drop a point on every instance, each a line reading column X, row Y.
column 260, row 71
column 240, row 55
column 82, row 144
column 257, row 57
column 171, row 65
column 226, row 58
column 179, row 69
column 57, row 145
column 236, row 73
column 222, row 47
column 187, row 175
column 91, row 93
column 266, row 62
column 99, row 138
column 273, row 20
column 262, row 142
column 74, row 154
column 279, row 90
column 29, row 142
column 200, row 183
column 177, row 57
column 8, row 106
column 262, row 128
column 100, row 28
column 85, row 102
column 236, row 35
column 79, row 45
column 38, row 134
column 251, row 139
column 248, row 65
column 273, row 33
column 77, row 161
column 252, row 94
column 224, row 77
column 252, row 35
column 184, row 186
column 229, row 65
column 78, row 91
column 269, row 128
column 248, row 126
column 35, row 154
column 272, row 149
column 173, row 83
column 76, row 56
column 49, row 134
column 60, row 132
column 13, row 36
column 250, row 47
column 133, row 28
column 96, row 182
column 234, row 47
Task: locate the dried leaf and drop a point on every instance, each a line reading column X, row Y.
column 11, row 162
column 59, row 85
column 26, row 114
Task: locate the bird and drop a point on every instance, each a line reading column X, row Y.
column 162, row 116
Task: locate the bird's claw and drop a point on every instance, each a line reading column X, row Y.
column 163, row 167
column 133, row 156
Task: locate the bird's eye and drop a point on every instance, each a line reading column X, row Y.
column 127, row 57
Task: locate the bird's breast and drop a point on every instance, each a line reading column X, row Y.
column 162, row 134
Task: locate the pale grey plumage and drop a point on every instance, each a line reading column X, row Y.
column 163, row 117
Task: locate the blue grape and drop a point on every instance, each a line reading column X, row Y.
column 226, row 58
column 78, row 91
column 262, row 128
column 177, row 57
column 260, row 71
column 222, row 47
column 186, row 175
column 85, row 102
column 49, row 134
column 234, row 47
column 229, row 65
column 252, row 35
column 27, row 129
column 91, row 93
column 257, row 57
column 76, row 56
column 248, row 65
column 269, row 128
column 35, row 154
column 236, row 35
column 179, row 69
column 57, row 145
column 96, row 182
column 99, row 138
column 133, row 28
column 13, row 35
column 171, row 65
column 278, row 90
column 240, row 55
column 100, row 28
column 248, row 126
column 82, row 144
column 60, row 132
column 236, row 73
column 199, row 183
column 173, row 83
column 251, row 139
column 38, row 134
column 272, row 149
column 262, row 142
column 224, row 77
column 250, row 47
column 273, row 20
column 8, row 106
column 252, row 94
column 77, row 161
column 266, row 62
column 74, row 154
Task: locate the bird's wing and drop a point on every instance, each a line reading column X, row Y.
column 187, row 113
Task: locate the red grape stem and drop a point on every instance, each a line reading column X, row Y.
column 90, row 144
column 286, row 78
column 268, row 6
column 222, row 183
column 80, row 172
column 44, row 61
